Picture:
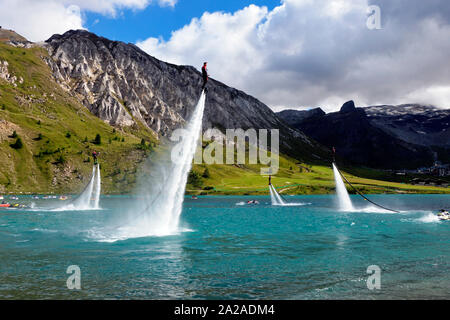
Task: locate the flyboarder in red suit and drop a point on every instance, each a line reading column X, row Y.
column 95, row 155
column 205, row 75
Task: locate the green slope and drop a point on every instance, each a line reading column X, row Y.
column 57, row 134
column 291, row 179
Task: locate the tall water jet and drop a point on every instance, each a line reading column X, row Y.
column 272, row 196
column 159, row 214
column 89, row 199
column 275, row 197
column 83, row 202
column 97, row 189
column 345, row 204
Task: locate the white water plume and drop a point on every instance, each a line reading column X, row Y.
column 159, row 213
column 277, row 200
column 429, row 218
column 345, row 204
column 83, row 202
column 97, row 189
column 89, row 199
column 275, row 197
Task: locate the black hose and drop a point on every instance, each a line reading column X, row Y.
column 363, row 196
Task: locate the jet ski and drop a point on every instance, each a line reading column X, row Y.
column 4, row 205
column 443, row 215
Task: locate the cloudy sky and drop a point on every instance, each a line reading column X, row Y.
column 288, row 54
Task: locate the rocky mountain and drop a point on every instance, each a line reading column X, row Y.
column 422, row 125
column 125, row 87
column 406, row 136
column 294, row 118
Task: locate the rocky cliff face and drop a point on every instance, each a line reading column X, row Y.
column 124, row 86
column 407, row 136
column 5, row 75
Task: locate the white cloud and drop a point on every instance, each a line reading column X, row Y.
column 320, row 53
column 167, row 3
column 434, row 95
column 232, row 56
column 108, row 7
column 38, row 20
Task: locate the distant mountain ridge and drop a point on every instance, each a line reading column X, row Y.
column 405, row 136
column 423, row 125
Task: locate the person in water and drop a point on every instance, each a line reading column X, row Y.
column 270, row 180
column 205, row 75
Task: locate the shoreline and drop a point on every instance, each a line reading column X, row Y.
column 189, row 195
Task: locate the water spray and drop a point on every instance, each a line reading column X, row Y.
column 358, row 192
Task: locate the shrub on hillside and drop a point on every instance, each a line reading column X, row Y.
column 98, row 139
column 17, row 145
column 195, row 179
column 61, row 159
column 206, row 174
column 144, row 146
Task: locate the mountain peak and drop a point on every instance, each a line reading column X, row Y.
column 74, row 33
column 349, row 106
column 11, row 36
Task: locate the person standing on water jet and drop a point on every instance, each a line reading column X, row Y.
column 270, row 180
column 205, row 76
column 95, row 155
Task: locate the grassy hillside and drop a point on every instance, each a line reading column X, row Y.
column 292, row 178
column 57, row 134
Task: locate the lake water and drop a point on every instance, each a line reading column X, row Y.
column 230, row 250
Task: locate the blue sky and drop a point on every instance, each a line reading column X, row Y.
column 156, row 21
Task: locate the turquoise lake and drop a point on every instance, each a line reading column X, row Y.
column 231, row 250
